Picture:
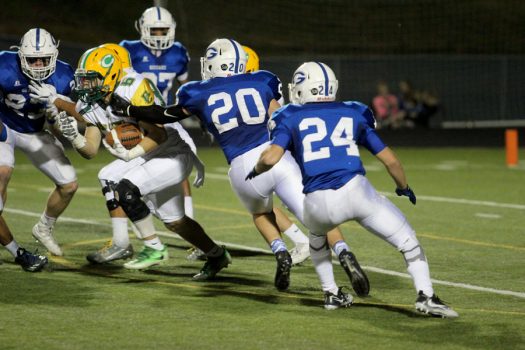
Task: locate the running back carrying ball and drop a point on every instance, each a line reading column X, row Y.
column 128, row 134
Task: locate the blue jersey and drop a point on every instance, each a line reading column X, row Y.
column 161, row 70
column 234, row 109
column 16, row 109
column 323, row 139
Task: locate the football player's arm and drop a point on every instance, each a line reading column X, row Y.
column 93, row 136
column 274, row 105
column 396, row 171
column 154, row 136
column 269, row 157
column 157, row 114
column 69, row 107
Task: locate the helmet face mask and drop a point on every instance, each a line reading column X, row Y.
column 98, row 74
column 157, row 28
column 313, row 82
column 224, row 58
column 38, row 54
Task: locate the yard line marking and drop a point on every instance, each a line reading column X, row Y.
column 267, row 251
column 488, row 216
column 484, row 244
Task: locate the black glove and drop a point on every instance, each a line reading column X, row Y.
column 119, row 105
column 251, row 174
column 407, row 192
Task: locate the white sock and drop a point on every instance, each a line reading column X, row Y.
column 339, row 246
column 417, row 267
column 322, row 260
column 154, row 243
column 12, row 247
column 296, row 235
column 47, row 220
column 145, row 226
column 120, row 232
column 188, row 206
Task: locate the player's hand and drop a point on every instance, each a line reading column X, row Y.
column 51, row 114
column 253, row 173
column 407, row 192
column 44, row 93
column 199, row 177
column 119, row 105
column 117, row 149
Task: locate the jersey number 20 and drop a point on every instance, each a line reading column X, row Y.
column 240, row 99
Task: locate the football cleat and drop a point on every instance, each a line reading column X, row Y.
column 282, row 274
column 195, row 254
column 434, row 306
column 333, row 301
column 30, row 262
column 110, row 252
column 44, row 235
column 148, row 257
column 300, row 253
column 213, row 266
column 357, row 276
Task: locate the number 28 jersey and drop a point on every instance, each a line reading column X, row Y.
column 323, row 139
column 234, row 109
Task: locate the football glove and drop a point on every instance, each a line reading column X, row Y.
column 119, row 151
column 407, row 192
column 119, row 105
column 253, row 173
column 199, row 177
column 68, row 127
column 43, row 93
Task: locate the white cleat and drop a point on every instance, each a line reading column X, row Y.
column 44, row 235
column 434, row 306
column 300, row 253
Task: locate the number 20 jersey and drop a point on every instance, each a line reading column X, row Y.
column 234, row 109
column 323, row 139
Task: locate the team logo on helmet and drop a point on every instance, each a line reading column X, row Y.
column 299, row 77
column 211, row 53
column 107, row 61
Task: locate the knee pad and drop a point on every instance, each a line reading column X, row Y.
column 412, row 251
column 108, row 190
column 318, row 243
column 130, row 200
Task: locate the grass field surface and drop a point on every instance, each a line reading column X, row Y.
column 470, row 219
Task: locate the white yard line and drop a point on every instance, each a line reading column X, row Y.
column 266, row 251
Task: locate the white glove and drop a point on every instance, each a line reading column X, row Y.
column 68, row 127
column 44, row 93
column 51, row 114
column 199, row 166
column 120, row 151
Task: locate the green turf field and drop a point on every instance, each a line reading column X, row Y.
column 470, row 218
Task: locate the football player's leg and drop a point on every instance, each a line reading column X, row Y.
column 377, row 214
column 256, row 196
column 47, row 154
column 7, row 162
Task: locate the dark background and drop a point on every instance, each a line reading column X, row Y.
column 471, row 54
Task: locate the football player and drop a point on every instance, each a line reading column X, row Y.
column 161, row 59
column 145, row 179
column 323, row 136
column 335, row 237
column 24, row 123
column 235, row 107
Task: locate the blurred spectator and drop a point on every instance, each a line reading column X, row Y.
column 417, row 106
column 386, row 107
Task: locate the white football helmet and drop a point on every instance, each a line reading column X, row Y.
column 313, row 82
column 156, row 18
column 38, row 52
column 224, row 57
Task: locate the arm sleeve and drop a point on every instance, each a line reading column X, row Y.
column 371, row 141
column 279, row 133
column 157, row 114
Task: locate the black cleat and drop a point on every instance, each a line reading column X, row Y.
column 357, row 276
column 282, row 275
column 332, row 301
column 30, row 262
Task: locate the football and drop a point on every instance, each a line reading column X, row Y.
column 129, row 135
